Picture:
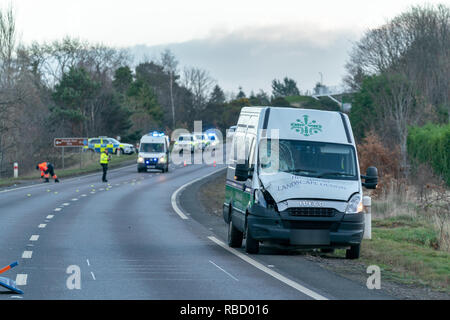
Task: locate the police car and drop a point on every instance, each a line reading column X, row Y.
column 112, row 145
column 153, row 152
column 188, row 142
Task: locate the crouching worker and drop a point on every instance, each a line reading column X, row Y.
column 47, row 170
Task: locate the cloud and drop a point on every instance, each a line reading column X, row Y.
column 252, row 57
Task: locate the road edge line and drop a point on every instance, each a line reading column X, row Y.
column 270, row 272
column 174, row 196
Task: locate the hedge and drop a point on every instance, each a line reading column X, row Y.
column 431, row 144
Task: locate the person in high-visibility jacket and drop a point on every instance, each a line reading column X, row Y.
column 104, row 160
column 47, row 169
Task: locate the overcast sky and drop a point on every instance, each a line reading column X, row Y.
column 241, row 42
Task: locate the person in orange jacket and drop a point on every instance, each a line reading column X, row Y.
column 47, row 169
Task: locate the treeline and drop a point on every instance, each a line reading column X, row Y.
column 72, row 88
column 431, row 144
column 400, row 72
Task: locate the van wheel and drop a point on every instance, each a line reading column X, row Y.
column 251, row 245
column 353, row 252
column 234, row 236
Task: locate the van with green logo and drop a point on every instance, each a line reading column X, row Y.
column 293, row 179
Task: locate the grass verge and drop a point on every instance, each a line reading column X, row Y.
column 404, row 247
column 90, row 164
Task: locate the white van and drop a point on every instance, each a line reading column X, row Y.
column 299, row 185
column 153, row 152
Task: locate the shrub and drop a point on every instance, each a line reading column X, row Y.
column 431, row 144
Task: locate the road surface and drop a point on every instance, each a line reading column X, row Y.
column 128, row 242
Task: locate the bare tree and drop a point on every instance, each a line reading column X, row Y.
column 412, row 55
column 170, row 64
column 199, row 83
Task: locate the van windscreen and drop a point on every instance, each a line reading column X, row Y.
column 152, row 147
column 309, row 159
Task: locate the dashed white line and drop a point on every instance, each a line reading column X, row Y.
column 42, row 226
column 83, row 195
column 231, row 276
column 74, row 199
column 21, row 279
column 87, row 260
column 34, row 237
column 270, row 272
column 66, row 204
column 83, row 177
column 27, row 254
column 93, row 276
column 57, row 209
column 50, row 216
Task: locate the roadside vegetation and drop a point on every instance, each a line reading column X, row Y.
column 406, row 242
column 89, row 163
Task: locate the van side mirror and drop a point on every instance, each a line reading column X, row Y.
column 242, row 172
column 371, row 178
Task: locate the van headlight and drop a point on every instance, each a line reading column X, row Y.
column 140, row 160
column 162, row 159
column 355, row 204
column 259, row 198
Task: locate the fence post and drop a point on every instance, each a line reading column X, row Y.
column 367, row 203
column 16, row 170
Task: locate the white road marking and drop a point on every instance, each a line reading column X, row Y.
column 66, row 204
column 34, row 237
column 21, row 279
column 224, row 271
column 42, row 226
column 58, row 209
column 87, row 260
column 50, row 216
column 83, row 195
column 93, row 276
column 67, row 180
column 175, row 194
column 27, row 254
column 270, row 272
column 74, row 199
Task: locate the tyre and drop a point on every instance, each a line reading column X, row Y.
column 234, row 236
column 353, row 252
column 251, row 245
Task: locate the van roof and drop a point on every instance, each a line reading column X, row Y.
column 305, row 124
column 148, row 138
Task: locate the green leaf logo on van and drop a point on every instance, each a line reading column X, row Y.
column 306, row 127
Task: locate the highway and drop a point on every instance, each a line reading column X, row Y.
column 138, row 237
